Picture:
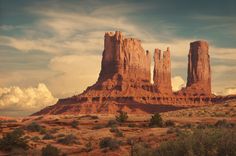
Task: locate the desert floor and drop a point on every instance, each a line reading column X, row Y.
column 88, row 130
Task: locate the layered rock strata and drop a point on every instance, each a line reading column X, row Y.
column 124, row 64
column 199, row 70
column 162, row 71
column 124, row 81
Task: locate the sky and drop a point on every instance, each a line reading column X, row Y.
column 52, row 49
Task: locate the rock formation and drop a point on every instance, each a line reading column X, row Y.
column 124, row 81
column 199, row 71
column 124, row 63
column 162, row 72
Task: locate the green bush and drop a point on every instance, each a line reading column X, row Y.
column 35, row 127
column 131, row 125
column 89, row 147
column 97, row 127
column 169, row 123
column 122, row 117
column 156, row 121
column 224, row 124
column 74, row 123
column 48, row 136
column 111, row 123
column 110, row 143
column 141, row 149
column 50, row 150
column 35, row 138
column 68, row 140
column 13, row 140
column 202, row 142
column 115, row 130
column 60, row 135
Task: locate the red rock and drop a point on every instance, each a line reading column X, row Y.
column 162, row 71
column 124, row 63
column 124, row 81
column 199, row 71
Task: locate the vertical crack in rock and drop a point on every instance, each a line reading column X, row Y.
column 162, row 71
column 124, row 81
column 199, row 70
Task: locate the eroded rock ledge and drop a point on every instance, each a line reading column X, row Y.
column 124, row 81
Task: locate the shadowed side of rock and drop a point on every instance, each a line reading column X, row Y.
column 162, row 72
column 199, row 70
column 124, row 81
column 124, row 64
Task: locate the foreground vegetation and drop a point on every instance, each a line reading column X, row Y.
column 119, row 135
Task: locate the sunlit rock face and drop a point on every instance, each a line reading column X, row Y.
column 125, row 63
column 199, row 70
column 124, row 81
column 162, row 71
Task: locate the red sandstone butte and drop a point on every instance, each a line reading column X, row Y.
column 162, row 72
column 199, row 70
column 124, row 81
column 125, row 63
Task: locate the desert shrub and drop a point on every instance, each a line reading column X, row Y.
column 170, row 130
column 97, row 127
column 223, row 124
column 61, row 135
column 35, row 127
column 113, row 128
column 68, row 140
column 18, row 152
column 169, row 123
column 13, row 140
column 204, row 126
column 50, row 150
column 156, row 121
column 74, row 123
column 208, row 142
column 110, row 143
column 141, row 149
column 176, row 130
column 122, row 117
column 131, row 125
column 89, row 147
column 117, row 132
column 27, row 137
column 53, row 130
column 35, row 138
column 111, row 123
column 48, row 136
column 187, row 125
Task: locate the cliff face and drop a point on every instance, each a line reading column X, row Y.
column 124, row 81
column 124, row 62
column 199, row 71
column 162, row 71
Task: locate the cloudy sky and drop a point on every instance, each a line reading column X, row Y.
column 52, row 49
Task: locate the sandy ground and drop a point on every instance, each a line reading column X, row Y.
column 93, row 128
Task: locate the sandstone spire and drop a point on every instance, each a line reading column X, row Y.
column 124, row 62
column 162, row 71
column 199, row 72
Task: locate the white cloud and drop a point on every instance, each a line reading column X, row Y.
column 229, row 91
column 75, row 73
column 25, row 100
column 177, row 83
column 75, row 36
